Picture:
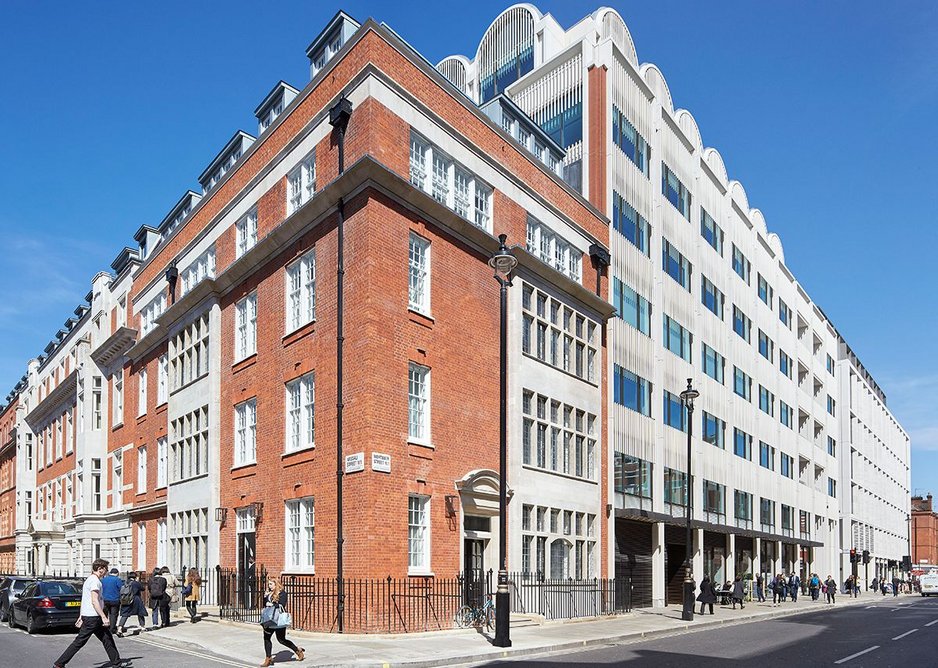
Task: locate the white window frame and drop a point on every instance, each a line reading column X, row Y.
column 246, row 233
column 418, row 535
column 300, row 291
column 198, row 270
column 418, row 404
column 162, row 463
column 246, row 327
column 448, row 182
column 162, row 380
column 245, row 429
column 118, row 397
column 301, row 413
column 142, row 392
column 301, row 183
column 418, row 263
column 141, row 469
column 162, row 541
column 299, row 536
column 141, row 546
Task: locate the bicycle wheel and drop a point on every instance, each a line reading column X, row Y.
column 490, row 618
column 464, row 617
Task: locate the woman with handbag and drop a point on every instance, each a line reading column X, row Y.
column 192, row 591
column 273, row 621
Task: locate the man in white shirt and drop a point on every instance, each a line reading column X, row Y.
column 93, row 620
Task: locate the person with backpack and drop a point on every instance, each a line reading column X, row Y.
column 192, row 590
column 132, row 604
column 110, row 593
column 814, row 586
column 157, row 589
column 275, row 601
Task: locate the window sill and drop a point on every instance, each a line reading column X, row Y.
column 300, row 332
column 419, row 317
column 238, row 467
column 298, row 451
column 117, row 426
column 298, row 571
column 244, row 363
column 537, row 359
column 189, row 479
column 421, row 443
column 187, row 384
column 421, row 574
column 569, row 476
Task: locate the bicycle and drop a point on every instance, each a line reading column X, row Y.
column 468, row 616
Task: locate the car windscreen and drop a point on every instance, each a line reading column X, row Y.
column 59, row 589
column 20, row 585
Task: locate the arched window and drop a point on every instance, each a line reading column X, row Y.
column 559, row 559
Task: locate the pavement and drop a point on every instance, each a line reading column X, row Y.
column 242, row 644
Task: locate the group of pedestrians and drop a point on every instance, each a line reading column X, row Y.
column 104, row 597
column 708, row 593
column 124, row 599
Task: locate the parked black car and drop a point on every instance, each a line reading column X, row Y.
column 45, row 604
column 10, row 586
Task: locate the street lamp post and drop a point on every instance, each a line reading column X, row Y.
column 503, row 262
column 687, row 398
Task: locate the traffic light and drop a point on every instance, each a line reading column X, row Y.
column 853, row 555
column 866, row 556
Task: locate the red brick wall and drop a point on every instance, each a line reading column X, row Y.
column 382, row 337
column 925, row 537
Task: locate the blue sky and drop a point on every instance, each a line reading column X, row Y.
column 824, row 111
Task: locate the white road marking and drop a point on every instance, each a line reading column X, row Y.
column 907, row 633
column 192, row 653
column 853, row 656
column 869, row 607
column 932, row 622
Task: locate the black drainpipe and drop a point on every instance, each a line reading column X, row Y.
column 338, row 118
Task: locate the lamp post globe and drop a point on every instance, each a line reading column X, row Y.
column 503, row 262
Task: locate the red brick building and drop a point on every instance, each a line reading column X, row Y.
column 8, row 487
column 924, row 532
column 236, row 456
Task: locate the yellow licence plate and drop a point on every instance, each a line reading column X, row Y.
column 72, row 604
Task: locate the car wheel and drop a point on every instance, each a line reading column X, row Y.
column 31, row 624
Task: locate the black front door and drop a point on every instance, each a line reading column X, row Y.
column 474, row 569
column 247, row 568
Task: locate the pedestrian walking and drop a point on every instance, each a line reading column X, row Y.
column 132, row 604
column 93, row 621
column 855, row 586
column 760, row 584
column 157, row 589
column 794, row 585
column 111, row 594
column 814, row 586
column 776, row 587
column 192, row 590
column 171, row 596
column 276, row 598
column 831, row 588
column 707, row 595
column 874, row 584
column 739, row 593
column 895, row 587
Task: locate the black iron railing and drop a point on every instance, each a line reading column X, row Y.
column 533, row 594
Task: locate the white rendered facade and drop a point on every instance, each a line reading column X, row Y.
column 654, row 167
column 873, row 456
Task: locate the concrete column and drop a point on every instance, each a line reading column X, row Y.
column 698, row 555
column 731, row 557
column 797, row 567
column 757, row 556
column 657, row 565
column 777, row 566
